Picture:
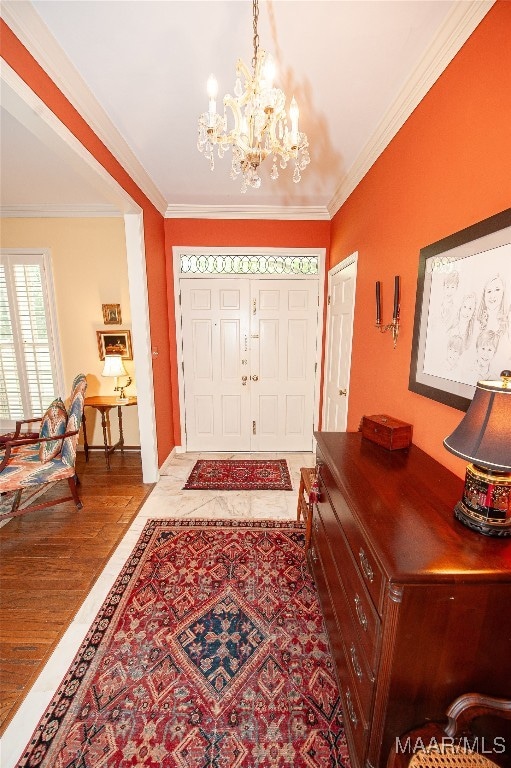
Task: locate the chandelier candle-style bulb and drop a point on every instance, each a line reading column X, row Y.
column 212, row 89
column 254, row 123
column 294, row 114
column 269, row 72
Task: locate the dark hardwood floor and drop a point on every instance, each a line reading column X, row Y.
column 50, row 559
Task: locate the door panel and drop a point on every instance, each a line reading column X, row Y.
column 202, row 360
column 295, row 413
column 297, row 351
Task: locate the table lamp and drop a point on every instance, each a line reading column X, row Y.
column 115, row 367
column 484, row 438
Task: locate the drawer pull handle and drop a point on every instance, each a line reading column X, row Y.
column 360, row 613
column 366, row 565
column 351, row 710
column 354, row 661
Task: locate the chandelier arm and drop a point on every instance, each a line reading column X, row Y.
column 242, row 69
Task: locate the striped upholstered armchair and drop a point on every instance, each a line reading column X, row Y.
column 45, row 457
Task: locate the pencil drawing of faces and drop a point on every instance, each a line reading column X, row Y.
column 468, row 306
column 451, row 281
column 486, row 346
column 454, row 351
column 493, row 294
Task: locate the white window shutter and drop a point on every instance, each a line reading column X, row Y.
column 28, row 370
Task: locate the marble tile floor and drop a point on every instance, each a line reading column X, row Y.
column 167, row 500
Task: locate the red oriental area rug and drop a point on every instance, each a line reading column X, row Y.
column 239, row 475
column 209, row 652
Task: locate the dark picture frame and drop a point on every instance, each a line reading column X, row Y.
column 114, row 343
column 473, row 259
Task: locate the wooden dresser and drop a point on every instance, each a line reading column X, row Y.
column 417, row 606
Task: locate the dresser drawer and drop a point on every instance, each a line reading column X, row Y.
column 363, row 613
column 356, row 725
column 373, row 576
column 355, row 658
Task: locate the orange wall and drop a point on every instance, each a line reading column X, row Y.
column 16, row 55
column 448, row 167
column 230, row 233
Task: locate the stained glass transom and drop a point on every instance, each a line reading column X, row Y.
column 249, row 265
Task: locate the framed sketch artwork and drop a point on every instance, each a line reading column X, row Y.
column 462, row 329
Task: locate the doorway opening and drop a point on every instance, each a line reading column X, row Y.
column 249, row 330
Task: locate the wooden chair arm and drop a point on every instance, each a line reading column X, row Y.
column 471, row 705
column 24, row 421
column 6, row 456
column 30, row 441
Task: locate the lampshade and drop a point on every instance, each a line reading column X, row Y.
column 484, row 435
column 114, row 366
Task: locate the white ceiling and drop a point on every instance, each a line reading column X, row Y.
column 137, row 70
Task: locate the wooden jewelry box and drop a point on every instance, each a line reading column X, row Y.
column 387, row 431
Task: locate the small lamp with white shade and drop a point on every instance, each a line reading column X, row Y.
column 114, row 367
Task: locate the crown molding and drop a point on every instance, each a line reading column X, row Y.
column 59, row 211
column 290, row 212
column 457, row 28
column 28, row 26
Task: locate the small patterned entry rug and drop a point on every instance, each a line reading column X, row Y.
column 239, row 475
column 209, row 652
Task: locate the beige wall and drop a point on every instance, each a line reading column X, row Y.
column 89, row 269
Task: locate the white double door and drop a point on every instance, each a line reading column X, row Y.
column 249, row 355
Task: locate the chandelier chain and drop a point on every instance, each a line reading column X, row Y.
column 255, row 11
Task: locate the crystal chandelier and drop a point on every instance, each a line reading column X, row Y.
column 260, row 122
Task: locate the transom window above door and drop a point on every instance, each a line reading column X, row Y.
column 209, row 264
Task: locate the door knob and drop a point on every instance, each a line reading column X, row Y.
column 244, row 380
column 343, row 392
column 255, row 378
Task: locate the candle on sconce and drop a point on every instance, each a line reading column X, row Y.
column 378, row 302
column 395, row 315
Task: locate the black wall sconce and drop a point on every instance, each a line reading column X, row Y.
column 394, row 325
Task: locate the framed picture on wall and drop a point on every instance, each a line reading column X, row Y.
column 112, row 314
column 462, row 329
column 114, row 343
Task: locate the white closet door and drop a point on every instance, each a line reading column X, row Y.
column 338, row 348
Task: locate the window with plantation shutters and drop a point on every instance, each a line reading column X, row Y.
column 29, row 362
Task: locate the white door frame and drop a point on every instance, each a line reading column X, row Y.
column 178, row 251
column 139, row 306
column 347, row 262
column 32, row 112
